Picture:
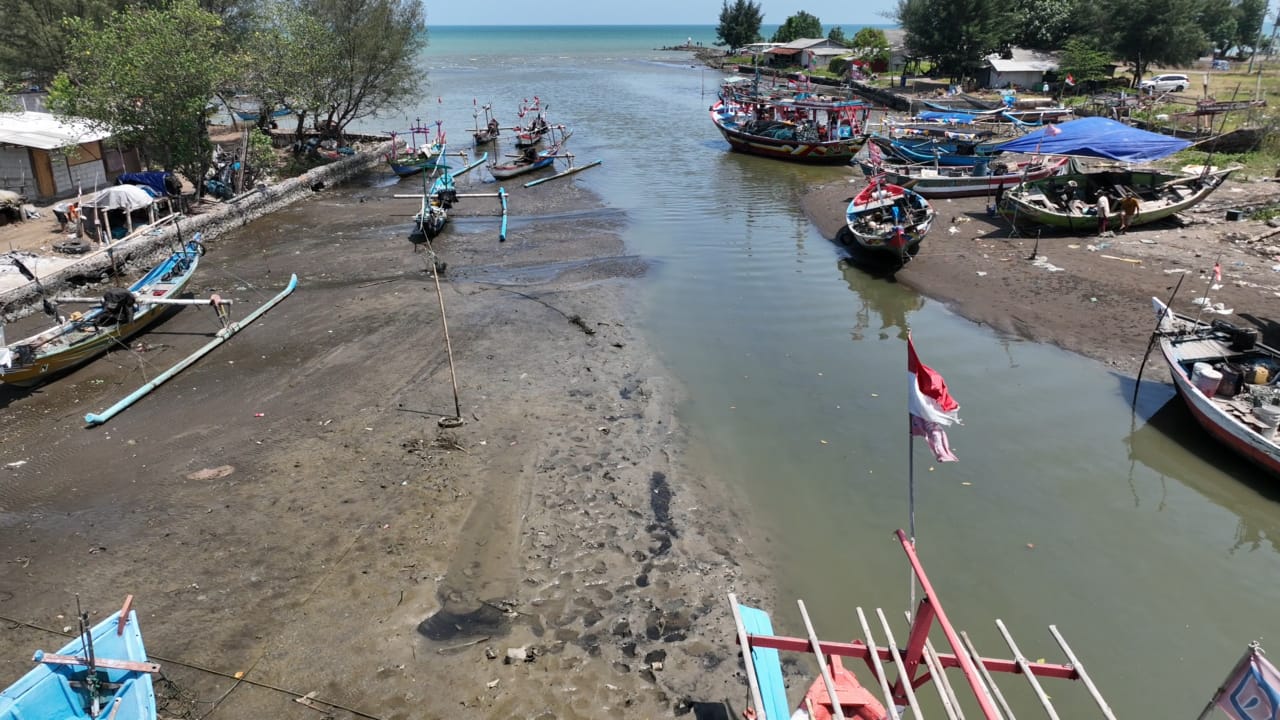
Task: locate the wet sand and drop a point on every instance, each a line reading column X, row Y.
column 290, row 509
column 1090, row 295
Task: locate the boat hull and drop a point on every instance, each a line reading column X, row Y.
column 47, row 691
column 1183, row 342
column 1161, row 195
column 888, row 222
column 830, row 152
column 78, row 341
column 958, row 182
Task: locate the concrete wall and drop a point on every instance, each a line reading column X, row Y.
column 146, row 251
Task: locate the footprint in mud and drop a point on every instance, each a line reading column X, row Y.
column 450, row 624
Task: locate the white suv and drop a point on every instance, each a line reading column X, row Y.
column 1165, row 83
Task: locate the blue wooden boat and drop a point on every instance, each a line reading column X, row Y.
column 254, row 115
column 104, row 673
column 928, row 150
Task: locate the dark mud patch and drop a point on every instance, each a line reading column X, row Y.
column 662, row 529
column 446, row 624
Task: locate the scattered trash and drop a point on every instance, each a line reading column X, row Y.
column 259, row 414
column 1147, row 241
column 16, row 464
column 1074, row 246
column 953, row 229
column 982, row 273
column 1179, row 271
column 491, row 684
column 1043, row 262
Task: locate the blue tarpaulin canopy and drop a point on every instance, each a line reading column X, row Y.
column 1097, row 137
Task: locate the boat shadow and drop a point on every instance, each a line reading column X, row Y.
column 879, row 265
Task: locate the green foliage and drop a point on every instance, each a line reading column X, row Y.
column 739, row 23
column 1044, row 24
column 1084, row 61
column 839, row 67
column 800, row 25
column 870, row 44
column 1164, row 32
column 1250, row 14
column 146, row 76
column 289, row 58
column 373, row 56
column 836, row 35
column 956, row 34
column 262, row 160
column 1218, row 20
column 33, row 40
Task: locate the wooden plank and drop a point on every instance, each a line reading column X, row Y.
column 986, row 676
column 823, row 667
column 764, row 670
column 1084, row 676
column 889, row 703
column 897, row 658
column 1045, row 702
column 124, row 615
column 130, row 665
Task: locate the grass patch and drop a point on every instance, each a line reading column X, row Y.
column 1256, row 165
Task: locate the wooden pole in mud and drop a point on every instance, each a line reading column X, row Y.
column 444, row 323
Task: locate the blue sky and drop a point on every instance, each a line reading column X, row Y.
column 643, row 12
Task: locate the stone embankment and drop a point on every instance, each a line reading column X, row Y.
column 148, row 248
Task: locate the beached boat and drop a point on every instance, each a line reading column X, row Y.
column 896, row 674
column 488, row 133
column 418, row 157
column 1069, row 201
column 120, row 314
column 889, row 221
column 942, row 181
column 1228, row 381
column 957, row 151
column 807, row 131
column 104, row 673
column 530, row 159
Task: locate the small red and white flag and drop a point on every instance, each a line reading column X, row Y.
column 1217, row 273
column 931, row 405
column 1052, row 130
column 873, row 153
column 1253, row 690
column 1071, row 81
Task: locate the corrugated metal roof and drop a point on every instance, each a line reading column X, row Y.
column 1024, row 61
column 45, row 132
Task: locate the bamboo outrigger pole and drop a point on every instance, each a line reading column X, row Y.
column 570, row 171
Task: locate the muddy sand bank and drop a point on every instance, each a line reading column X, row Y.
column 290, row 509
column 1090, row 295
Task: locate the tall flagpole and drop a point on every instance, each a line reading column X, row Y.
column 911, row 488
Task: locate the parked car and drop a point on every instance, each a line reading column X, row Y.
column 1165, row 83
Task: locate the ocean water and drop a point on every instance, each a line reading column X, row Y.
column 1150, row 548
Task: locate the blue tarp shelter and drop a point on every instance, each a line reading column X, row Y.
column 1099, row 138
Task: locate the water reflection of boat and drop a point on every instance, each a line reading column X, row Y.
column 1171, row 445
column 889, row 300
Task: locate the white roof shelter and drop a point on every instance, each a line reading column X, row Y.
column 45, row 132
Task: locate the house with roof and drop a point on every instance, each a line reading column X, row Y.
column 1017, row 68
column 805, row 52
column 43, row 157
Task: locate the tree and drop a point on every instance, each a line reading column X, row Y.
column 956, row 34
column 1165, row 32
column 870, row 45
column 1250, row 15
column 836, row 35
column 1082, row 60
column 739, row 24
column 1218, row 20
column 290, row 57
column 33, row 40
column 800, row 25
column 146, row 76
column 1044, row 24
column 376, row 44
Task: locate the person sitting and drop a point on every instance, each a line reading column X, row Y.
column 529, row 155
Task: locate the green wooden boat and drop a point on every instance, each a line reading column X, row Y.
column 1070, row 201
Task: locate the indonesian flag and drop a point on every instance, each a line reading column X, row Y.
column 1071, row 81
column 1217, row 273
column 1052, row 130
column 930, row 405
column 873, row 152
column 1252, row 691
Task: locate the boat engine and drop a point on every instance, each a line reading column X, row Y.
column 118, row 305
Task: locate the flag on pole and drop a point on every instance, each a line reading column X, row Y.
column 1253, row 690
column 1071, row 81
column 1217, row 273
column 1052, row 130
column 873, row 153
column 930, row 404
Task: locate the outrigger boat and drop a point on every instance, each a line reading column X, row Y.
column 948, row 181
column 417, row 158
column 436, row 201
column 1069, row 201
column 889, row 220
column 117, row 316
column 1228, row 381
column 537, row 129
column 837, row 692
column 530, row 159
column 488, row 133
column 104, row 673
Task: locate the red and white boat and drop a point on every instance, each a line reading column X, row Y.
column 894, row 674
column 950, row 181
column 1228, row 381
column 889, row 220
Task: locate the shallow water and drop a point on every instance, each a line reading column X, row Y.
column 1151, row 549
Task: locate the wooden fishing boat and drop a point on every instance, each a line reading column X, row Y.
column 121, row 314
column 530, row 159
column 104, row 673
column 923, row 150
column 948, row 181
column 418, row 157
column 1069, row 201
column 488, row 133
column 889, row 221
column 1228, row 381
column 896, row 673
column 826, row 133
column 431, row 219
